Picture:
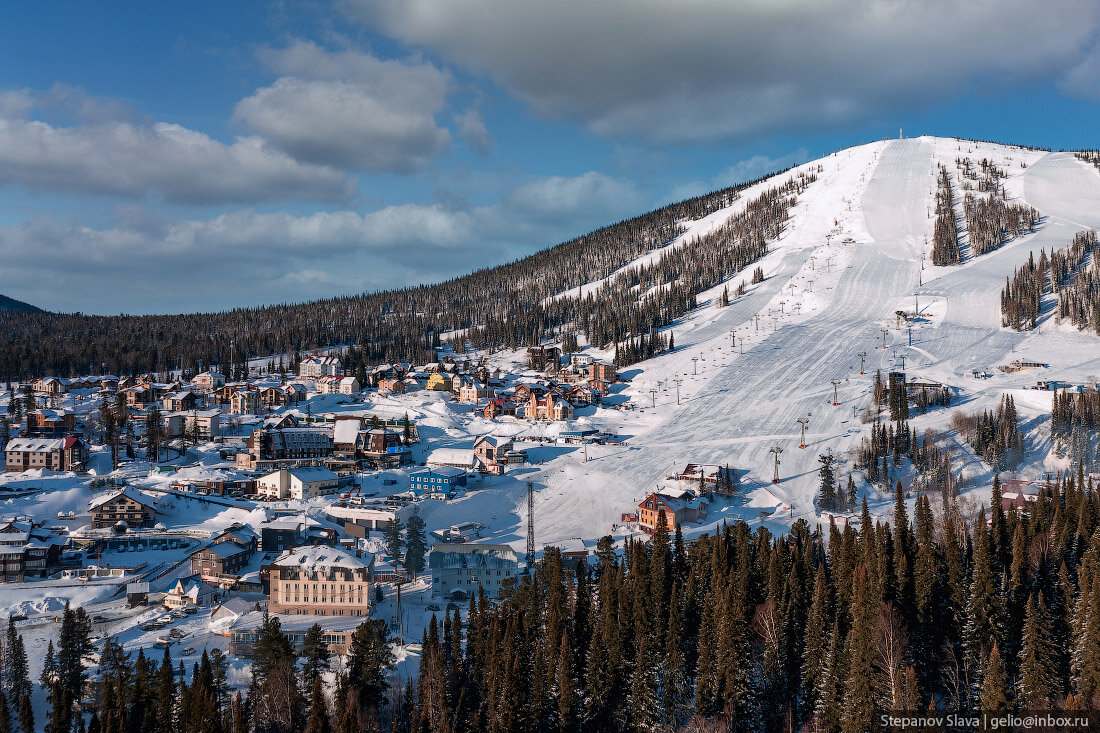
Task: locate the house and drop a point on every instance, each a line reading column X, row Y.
column 458, row 570
column 438, row 479
column 695, row 471
column 282, row 533
column 491, row 450
column 27, row 551
column 191, row 591
column 348, row 386
column 298, row 483
column 312, row 367
column 232, row 608
column 209, row 380
column 463, row 458
column 373, row 516
column 1016, row 494
column 284, row 447
column 474, row 392
column 321, row 581
column 284, row 395
column 125, row 505
column 678, row 511
column 51, row 386
column 548, row 405
column 180, row 401
column 392, row 386
column 328, row 384
column 499, row 406
column 538, row 357
column 213, row 562
column 246, row 402
column 205, row 424
column 50, row 423
column 245, row 632
column 438, row 382
column 602, row 371
column 52, row 454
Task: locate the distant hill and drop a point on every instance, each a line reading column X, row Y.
column 11, row 304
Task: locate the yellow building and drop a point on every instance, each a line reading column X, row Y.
column 439, row 382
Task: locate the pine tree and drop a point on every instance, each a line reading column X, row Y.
column 827, row 484
column 993, row 697
column 415, row 545
column 1036, row 686
column 858, row 712
column 26, row 714
column 316, row 653
column 318, row 710
column 393, row 540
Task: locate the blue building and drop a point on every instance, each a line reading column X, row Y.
column 437, row 479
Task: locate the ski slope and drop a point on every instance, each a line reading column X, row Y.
column 734, row 408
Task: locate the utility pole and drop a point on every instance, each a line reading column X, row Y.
column 677, row 380
column 862, row 358
column 695, row 365
column 802, row 422
column 530, row 526
column 836, row 402
column 776, row 451
column 884, row 332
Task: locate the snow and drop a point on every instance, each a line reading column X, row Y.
column 853, row 254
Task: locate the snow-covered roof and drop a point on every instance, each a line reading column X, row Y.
column 496, row 441
column 452, row 457
column 321, row 558
column 439, row 471
column 454, row 555
column 34, row 444
column 346, row 431
column 292, row 623
column 223, row 549
column 128, row 491
column 313, row 473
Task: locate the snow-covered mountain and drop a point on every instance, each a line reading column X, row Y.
column 855, row 251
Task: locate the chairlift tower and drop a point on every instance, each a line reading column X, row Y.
column 862, row 359
column 836, row 401
column 884, row 332
column 776, row 451
column 695, row 365
column 677, row 380
column 802, row 423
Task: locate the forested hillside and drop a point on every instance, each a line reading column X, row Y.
column 507, row 306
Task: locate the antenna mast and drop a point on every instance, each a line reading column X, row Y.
column 530, row 525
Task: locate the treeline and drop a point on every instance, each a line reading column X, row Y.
column 135, row 694
column 506, row 306
column 1072, row 273
column 994, row 435
column 745, row 631
column 1074, row 418
column 990, row 222
column 945, row 235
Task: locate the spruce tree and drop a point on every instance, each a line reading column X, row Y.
column 993, row 696
column 415, row 545
column 826, row 484
column 1036, row 686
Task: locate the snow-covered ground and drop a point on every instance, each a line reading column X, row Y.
column 854, row 252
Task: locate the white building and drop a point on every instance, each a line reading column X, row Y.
column 209, row 380
column 458, row 570
column 299, row 483
column 312, row 367
column 205, row 423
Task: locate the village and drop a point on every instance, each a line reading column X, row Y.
column 188, row 506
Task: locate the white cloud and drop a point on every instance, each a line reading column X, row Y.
column 350, row 109
column 101, row 154
column 712, row 69
column 472, row 131
column 145, row 263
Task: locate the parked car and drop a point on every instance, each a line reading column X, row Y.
column 190, row 609
column 188, row 651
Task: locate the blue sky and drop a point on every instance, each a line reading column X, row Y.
column 201, row 156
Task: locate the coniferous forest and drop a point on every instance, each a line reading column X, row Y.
column 1072, row 274
column 512, row 305
column 943, row 608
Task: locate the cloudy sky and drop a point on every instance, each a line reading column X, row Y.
column 204, row 155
